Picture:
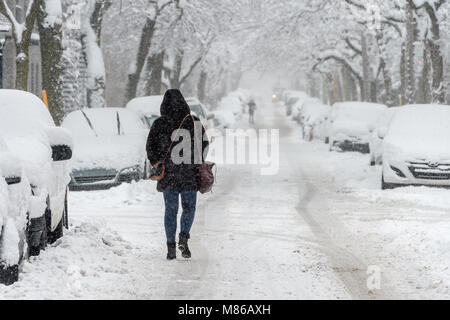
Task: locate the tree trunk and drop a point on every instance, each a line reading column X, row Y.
column 437, row 61
column 143, row 50
column 51, row 55
column 201, row 88
column 155, row 64
column 410, row 70
column 175, row 73
column 22, row 65
column 365, row 94
column 423, row 95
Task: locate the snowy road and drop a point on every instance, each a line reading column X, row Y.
column 311, row 232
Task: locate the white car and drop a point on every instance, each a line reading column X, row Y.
column 375, row 142
column 148, row 108
column 416, row 147
column 200, row 111
column 349, row 123
column 292, row 98
column 109, row 148
column 34, row 156
column 312, row 116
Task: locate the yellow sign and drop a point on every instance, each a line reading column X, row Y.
column 44, row 98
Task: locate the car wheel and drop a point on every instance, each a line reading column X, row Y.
column 372, row 162
column 386, row 186
column 34, row 251
column 145, row 170
column 66, row 211
column 52, row 236
column 58, row 233
column 9, row 275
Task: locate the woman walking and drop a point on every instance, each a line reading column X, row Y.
column 181, row 179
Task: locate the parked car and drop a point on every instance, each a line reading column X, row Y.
column 313, row 117
column 416, row 147
column 375, row 143
column 349, row 123
column 148, row 108
column 34, row 156
column 200, row 111
column 109, row 148
column 292, row 98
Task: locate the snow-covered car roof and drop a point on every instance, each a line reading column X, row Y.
column 104, row 121
column 147, row 106
column 422, row 129
column 22, row 113
column 314, row 110
column 358, row 111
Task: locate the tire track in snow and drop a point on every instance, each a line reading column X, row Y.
column 347, row 266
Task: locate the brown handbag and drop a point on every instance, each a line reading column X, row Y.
column 206, row 175
column 158, row 172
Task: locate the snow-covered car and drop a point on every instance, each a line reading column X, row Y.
column 200, row 111
column 416, row 147
column 148, row 108
column 109, row 148
column 349, row 125
column 375, row 143
column 313, row 117
column 34, row 156
column 293, row 98
column 231, row 105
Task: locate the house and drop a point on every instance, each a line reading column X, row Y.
column 8, row 54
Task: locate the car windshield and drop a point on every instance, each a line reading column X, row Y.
column 150, row 120
column 198, row 111
column 105, row 121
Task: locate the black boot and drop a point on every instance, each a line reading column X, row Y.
column 183, row 245
column 171, row 251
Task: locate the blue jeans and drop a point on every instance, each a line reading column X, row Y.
column 188, row 203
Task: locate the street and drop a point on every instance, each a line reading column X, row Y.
column 314, row 231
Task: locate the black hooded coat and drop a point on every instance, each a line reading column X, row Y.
column 179, row 177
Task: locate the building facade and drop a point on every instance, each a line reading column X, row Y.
column 8, row 52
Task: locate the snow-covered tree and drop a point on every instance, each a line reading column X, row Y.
column 50, row 23
column 22, row 28
column 91, row 28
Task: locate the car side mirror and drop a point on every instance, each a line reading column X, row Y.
column 61, row 143
column 11, row 168
column 210, row 116
column 61, row 152
column 382, row 132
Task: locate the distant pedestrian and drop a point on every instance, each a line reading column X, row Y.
column 251, row 111
column 179, row 179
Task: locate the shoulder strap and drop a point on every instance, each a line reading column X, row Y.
column 176, row 137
